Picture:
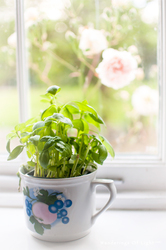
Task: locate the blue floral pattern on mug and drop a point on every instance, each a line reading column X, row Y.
column 46, row 208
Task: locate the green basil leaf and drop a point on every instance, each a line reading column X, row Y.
column 107, row 145
column 45, row 100
column 67, row 152
column 53, row 89
column 28, row 154
column 11, row 136
column 46, row 96
column 38, row 125
column 16, row 151
column 72, row 109
column 101, row 155
column 44, row 158
column 29, row 127
column 45, row 138
column 35, row 139
column 40, row 146
column 49, row 144
column 61, row 118
column 60, row 144
column 66, row 113
column 89, row 119
column 8, row 146
column 20, row 127
column 86, row 108
column 48, row 112
column 59, row 147
column 31, row 121
column 96, row 118
column 25, row 134
column 31, row 163
column 24, row 137
column 86, row 126
column 30, row 149
column 78, row 124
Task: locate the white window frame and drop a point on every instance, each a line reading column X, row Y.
column 140, row 180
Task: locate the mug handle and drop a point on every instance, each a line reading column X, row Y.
column 112, row 189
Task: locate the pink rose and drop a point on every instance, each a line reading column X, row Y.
column 92, row 42
column 145, row 100
column 117, row 68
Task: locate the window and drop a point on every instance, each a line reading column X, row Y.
column 55, row 46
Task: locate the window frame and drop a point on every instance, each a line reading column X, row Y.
column 136, row 173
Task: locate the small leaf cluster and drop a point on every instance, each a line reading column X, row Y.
column 59, row 142
column 47, row 198
column 43, row 196
column 39, row 227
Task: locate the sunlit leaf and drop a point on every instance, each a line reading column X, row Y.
column 16, row 151
column 65, row 111
column 72, row 109
column 89, row 119
column 8, row 146
column 78, row 124
column 86, row 126
column 96, row 118
column 48, row 112
column 35, row 139
column 86, row 108
column 62, row 119
column 20, row 127
column 38, row 125
column 11, row 136
column 31, row 163
column 107, row 145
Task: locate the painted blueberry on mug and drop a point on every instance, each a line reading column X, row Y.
column 46, row 208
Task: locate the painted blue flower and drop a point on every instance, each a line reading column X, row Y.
column 67, row 203
column 58, row 204
column 28, row 211
column 59, row 216
column 53, row 209
column 65, row 220
column 30, row 206
column 63, row 212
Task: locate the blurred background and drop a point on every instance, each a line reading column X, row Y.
column 75, row 44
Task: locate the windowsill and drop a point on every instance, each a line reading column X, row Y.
column 116, row 230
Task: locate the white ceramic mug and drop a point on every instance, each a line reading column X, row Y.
column 61, row 210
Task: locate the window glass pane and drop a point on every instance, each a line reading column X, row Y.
column 8, row 90
column 103, row 51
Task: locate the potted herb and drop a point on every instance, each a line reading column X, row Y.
column 58, row 179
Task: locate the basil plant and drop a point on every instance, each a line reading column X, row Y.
column 59, row 142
